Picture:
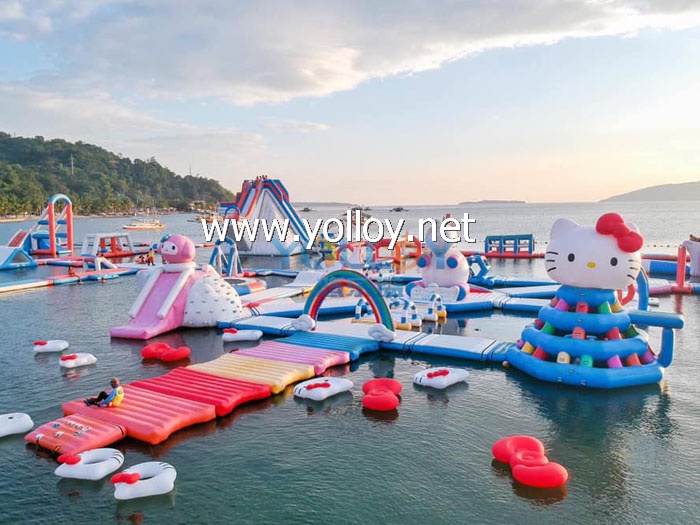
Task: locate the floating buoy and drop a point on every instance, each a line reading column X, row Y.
column 530, row 466
column 232, row 334
column 504, row 448
column 548, row 476
column 76, row 360
column 53, row 345
column 440, row 378
column 91, row 465
column 322, row 388
column 381, row 394
column 15, row 423
column 165, row 352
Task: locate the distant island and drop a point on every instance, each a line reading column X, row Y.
column 686, row 191
column 96, row 180
column 489, row 201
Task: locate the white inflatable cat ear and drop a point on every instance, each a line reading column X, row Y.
column 562, row 227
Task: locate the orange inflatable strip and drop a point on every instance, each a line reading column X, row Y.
column 75, row 434
column 146, row 415
column 223, row 392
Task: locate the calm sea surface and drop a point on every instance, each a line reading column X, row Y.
column 633, row 455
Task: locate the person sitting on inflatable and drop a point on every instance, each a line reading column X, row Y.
column 113, row 399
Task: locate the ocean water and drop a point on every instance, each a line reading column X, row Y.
column 632, row 454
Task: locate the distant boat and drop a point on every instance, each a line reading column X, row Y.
column 144, row 223
column 398, row 208
column 209, row 216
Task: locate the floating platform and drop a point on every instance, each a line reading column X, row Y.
column 147, row 415
column 321, row 359
column 276, row 374
column 75, row 433
column 222, row 392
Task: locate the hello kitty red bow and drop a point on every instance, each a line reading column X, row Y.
column 628, row 240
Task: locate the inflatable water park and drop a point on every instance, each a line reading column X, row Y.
column 589, row 326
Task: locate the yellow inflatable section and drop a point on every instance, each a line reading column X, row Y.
column 277, row 374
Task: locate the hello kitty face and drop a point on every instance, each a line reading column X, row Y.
column 177, row 249
column 446, row 269
column 605, row 256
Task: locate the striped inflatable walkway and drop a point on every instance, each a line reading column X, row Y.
column 154, row 408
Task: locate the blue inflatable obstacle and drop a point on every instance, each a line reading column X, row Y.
column 585, row 338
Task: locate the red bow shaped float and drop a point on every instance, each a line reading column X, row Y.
column 381, row 394
column 165, row 352
column 628, row 240
column 525, row 455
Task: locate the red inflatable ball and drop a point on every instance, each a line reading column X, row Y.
column 380, row 399
column 547, row 476
column 165, row 352
column 504, row 448
column 382, row 383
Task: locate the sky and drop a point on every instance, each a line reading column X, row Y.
column 397, row 102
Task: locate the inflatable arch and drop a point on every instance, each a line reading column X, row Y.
column 356, row 281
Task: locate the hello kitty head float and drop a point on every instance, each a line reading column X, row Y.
column 605, row 256
column 176, row 249
column 445, row 265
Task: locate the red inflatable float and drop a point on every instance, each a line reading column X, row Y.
column 165, row 352
column 530, row 466
column 392, row 385
column 381, row 394
column 504, row 448
column 547, row 476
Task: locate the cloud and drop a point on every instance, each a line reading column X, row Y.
column 267, row 51
column 292, row 125
column 95, row 117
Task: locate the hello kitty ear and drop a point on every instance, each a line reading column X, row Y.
column 562, row 227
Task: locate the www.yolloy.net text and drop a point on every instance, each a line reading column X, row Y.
column 335, row 230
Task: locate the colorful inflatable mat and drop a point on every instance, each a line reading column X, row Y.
column 277, row 374
column 147, row 415
column 355, row 346
column 320, row 358
column 223, row 392
column 75, row 434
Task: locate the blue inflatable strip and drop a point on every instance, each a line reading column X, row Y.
column 402, row 345
column 657, row 267
column 520, row 305
column 469, row 306
column 267, row 325
column 355, row 346
column 591, row 296
column 498, row 352
column 66, row 280
column 662, row 319
column 585, row 376
column 595, row 324
column 471, row 348
column 514, row 281
column 598, row 350
column 102, row 277
column 535, row 292
column 398, row 279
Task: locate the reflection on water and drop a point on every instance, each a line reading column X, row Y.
column 608, row 427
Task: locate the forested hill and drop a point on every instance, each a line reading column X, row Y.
column 96, row 180
column 686, row 191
